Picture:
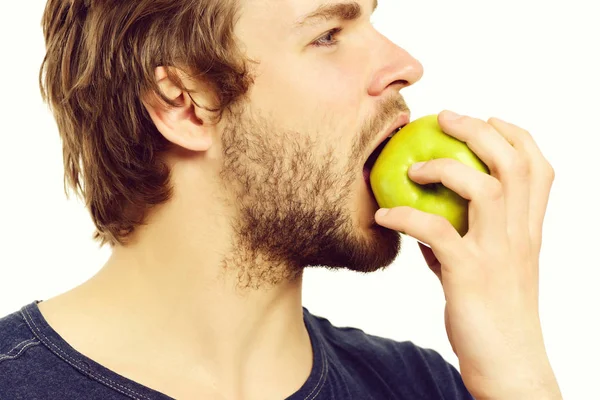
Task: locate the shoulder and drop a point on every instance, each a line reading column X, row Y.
column 15, row 337
column 409, row 368
column 19, row 354
column 36, row 363
column 355, row 341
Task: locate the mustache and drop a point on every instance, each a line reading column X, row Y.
column 388, row 110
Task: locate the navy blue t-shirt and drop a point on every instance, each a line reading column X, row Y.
column 36, row 363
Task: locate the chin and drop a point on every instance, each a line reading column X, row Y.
column 362, row 249
column 367, row 205
column 349, row 238
column 380, row 245
column 386, row 245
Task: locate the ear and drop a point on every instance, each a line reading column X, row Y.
column 187, row 125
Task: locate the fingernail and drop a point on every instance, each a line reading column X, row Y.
column 416, row 166
column 382, row 212
column 449, row 115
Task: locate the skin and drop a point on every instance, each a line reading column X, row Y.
column 207, row 278
column 489, row 276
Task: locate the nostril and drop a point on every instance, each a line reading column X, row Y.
column 401, row 83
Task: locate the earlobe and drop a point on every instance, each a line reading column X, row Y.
column 183, row 125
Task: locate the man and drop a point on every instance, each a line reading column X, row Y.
column 220, row 149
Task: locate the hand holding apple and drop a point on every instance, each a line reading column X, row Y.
column 490, row 274
column 422, row 140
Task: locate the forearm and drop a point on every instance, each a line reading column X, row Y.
column 539, row 383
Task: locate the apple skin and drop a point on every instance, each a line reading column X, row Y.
column 422, row 140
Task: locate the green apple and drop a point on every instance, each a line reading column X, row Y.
column 422, row 140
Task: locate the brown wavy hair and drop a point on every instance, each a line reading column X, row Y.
column 100, row 62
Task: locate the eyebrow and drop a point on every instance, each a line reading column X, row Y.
column 342, row 11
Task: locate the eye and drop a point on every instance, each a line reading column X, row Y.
column 328, row 39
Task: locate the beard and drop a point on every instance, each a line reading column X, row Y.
column 292, row 202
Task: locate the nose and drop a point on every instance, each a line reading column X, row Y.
column 395, row 68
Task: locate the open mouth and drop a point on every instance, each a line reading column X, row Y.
column 373, row 157
column 371, row 160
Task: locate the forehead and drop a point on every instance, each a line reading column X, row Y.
column 288, row 14
column 279, row 8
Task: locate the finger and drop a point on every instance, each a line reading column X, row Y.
column 434, row 230
column 540, row 171
column 485, row 192
column 483, row 139
column 510, row 166
column 432, row 262
column 517, row 190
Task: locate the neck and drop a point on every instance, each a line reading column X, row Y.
column 159, row 299
column 201, row 310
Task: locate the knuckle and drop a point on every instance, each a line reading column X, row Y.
column 443, row 163
column 550, row 172
column 448, row 167
column 439, row 225
column 446, row 176
column 523, row 133
column 526, row 136
column 492, row 189
column 519, row 166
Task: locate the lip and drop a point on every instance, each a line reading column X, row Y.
column 399, row 121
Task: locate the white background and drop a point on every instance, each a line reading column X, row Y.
column 533, row 63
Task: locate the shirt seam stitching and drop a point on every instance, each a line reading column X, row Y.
column 8, row 356
column 68, row 359
column 321, row 382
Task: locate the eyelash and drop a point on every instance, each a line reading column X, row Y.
column 333, row 33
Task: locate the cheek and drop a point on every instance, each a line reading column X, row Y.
column 322, row 96
column 320, row 85
column 336, row 83
column 342, row 91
